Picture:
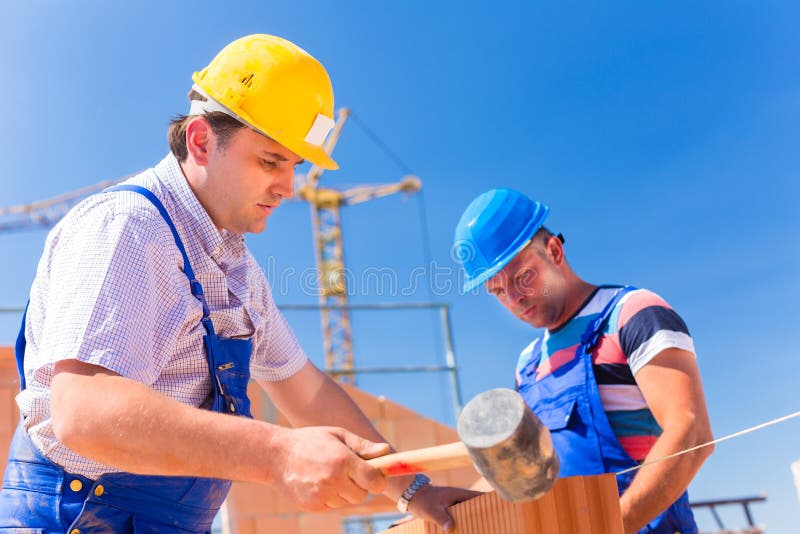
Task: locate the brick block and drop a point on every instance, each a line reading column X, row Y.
column 392, row 410
column 308, row 523
column 575, row 505
column 251, row 499
column 387, row 430
column 414, row 433
column 282, row 524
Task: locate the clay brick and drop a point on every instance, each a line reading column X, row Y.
column 9, row 377
column 414, row 433
column 3, row 459
column 256, row 395
column 387, row 430
column 574, row 505
column 283, row 505
column 319, row 523
column 251, row 499
column 8, row 406
column 369, row 404
column 392, row 410
column 563, row 510
column 464, row 477
column 244, row 526
column 283, row 524
column 445, row 434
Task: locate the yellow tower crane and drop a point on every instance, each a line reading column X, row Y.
column 327, row 228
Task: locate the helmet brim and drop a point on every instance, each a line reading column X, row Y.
column 313, row 153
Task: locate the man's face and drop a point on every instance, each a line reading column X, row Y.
column 247, row 179
column 532, row 287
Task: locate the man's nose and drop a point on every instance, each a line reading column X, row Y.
column 285, row 184
column 515, row 295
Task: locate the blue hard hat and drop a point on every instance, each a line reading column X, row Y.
column 492, row 230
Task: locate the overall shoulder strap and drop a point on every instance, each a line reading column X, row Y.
column 594, row 330
column 196, row 287
column 149, row 195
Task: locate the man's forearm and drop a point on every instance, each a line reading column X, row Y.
column 672, row 389
column 657, row 486
column 126, row 425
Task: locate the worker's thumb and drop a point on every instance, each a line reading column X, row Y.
column 365, row 448
column 363, row 474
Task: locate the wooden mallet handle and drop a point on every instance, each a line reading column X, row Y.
column 436, row 458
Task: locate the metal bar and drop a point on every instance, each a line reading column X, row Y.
column 451, row 366
column 46, row 213
column 720, row 502
column 450, row 358
column 748, row 514
column 717, row 518
column 380, row 306
column 59, row 199
column 744, row 502
column 401, row 369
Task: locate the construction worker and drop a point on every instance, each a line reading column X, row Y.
column 148, row 316
column 614, row 376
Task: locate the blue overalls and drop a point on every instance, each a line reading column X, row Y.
column 39, row 496
column 568, row 403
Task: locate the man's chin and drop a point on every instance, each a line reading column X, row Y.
column 257, row 227
column 535, row 322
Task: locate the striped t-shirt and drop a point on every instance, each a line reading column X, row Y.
column 640, row 327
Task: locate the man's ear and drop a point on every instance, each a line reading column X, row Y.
column 199, row 138
column 555, row 250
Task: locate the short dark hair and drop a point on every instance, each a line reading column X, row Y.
column 223, row 126
column 540, row 239
column 542, row 235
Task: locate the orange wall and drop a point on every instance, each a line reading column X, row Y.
column 9, row 387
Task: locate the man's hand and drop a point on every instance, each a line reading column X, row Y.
column 310, row 398
column 431, row 502
column 323, row 467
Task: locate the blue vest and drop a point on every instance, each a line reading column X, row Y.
column 567, row 402
column 41, row 496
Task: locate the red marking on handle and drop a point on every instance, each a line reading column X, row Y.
column 402, row 468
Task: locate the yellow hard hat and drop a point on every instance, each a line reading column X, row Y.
column 276, row 88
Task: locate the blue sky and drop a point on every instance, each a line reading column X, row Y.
column 662, row 136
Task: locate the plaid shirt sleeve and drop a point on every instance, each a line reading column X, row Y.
column 115, row 282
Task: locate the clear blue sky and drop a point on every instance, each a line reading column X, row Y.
column 663, row 137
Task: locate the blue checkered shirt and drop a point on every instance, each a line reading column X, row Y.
column 110, row 290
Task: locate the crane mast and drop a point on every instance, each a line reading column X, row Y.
column 326, row 224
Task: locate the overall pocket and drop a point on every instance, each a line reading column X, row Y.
column 574, row 438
